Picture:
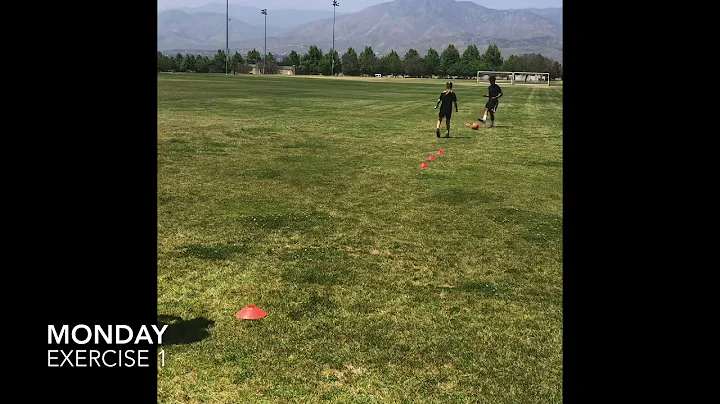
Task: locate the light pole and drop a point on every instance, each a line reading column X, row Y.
column 332, row 71
column 264, row 11
column 227, row 33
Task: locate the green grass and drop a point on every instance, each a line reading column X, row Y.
column 383, row 282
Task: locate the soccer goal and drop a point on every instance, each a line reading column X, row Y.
column 514, row 77
column 531, row 78
column 500, row 77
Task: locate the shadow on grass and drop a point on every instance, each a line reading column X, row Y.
column 181, row 331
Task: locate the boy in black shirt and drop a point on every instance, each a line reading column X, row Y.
column 494, row 92
column 448, row 99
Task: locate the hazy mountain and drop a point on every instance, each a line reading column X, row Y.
column 403, row 24
column 280, row 19
column 180, row 30
column 554, row 14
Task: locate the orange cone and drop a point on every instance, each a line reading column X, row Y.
column 250, row 313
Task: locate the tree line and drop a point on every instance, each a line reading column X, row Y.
column 449, row 62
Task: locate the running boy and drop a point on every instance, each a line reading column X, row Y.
column 494, row 92
column 448, row 99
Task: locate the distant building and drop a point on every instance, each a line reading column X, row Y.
column 283, row 70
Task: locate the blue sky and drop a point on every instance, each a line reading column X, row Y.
column 348, row 5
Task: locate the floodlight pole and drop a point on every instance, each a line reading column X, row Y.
column 332, row 71
column 227, row 34
column 264, row 11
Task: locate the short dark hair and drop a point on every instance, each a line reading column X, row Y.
column 448, row 84
column 492, row 78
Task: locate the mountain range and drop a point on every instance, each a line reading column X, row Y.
column 395, row 25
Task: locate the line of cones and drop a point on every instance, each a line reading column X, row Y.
column 431, row 158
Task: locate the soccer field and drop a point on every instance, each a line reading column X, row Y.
column 383, row 282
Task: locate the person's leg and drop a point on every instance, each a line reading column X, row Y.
column 447, row 126
column 492, row 115
column 437, row 129
column 485, row 112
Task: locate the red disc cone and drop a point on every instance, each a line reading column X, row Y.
column 423, row 165
column 431, row 158
column 250, row 313
column 440, row 152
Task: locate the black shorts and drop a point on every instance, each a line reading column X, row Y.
column 445, row 114
column 492, row 105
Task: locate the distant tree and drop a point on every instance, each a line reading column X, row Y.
column 269, row 64
column 218, row 62
column 164, row 62
column 448, row 60
column 179, row 62
column 188, row 64
column 293, row 59
column 412, row 63
column 236, row 59
column 431, row 62
column 555, row 70
column 470, row 54
column 350, row 63
column 393, row 64
column 172, row 64
column 368, row 61
column 310, row 62
column 202, row 64
column 512, row 64
column 253, row 56
column 493, row 58
column 326, row 67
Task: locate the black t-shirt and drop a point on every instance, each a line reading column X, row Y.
column 447, row 100
column 494, row 91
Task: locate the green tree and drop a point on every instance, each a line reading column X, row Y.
column 179, row 62
column 253, row 57
column 350, row 63
column 327, row 66
column 202, row 64
column 448, row 59
column 188, row 64
column 293, row 59
column 432, row 63
column 555, row 70
column 393, row 64
column 164, row 63
column 368, row 61
column 218, row 62
column 471, row 54
column 412, row 63
column 493, row 58
column 269, row 65
column 469, row 62
column 235, row 60
column 310, row 62
column 512, row 64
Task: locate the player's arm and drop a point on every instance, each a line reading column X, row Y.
column 455, row 102
column 438, row 102
column 498, row 96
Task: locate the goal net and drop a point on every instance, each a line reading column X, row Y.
column 514, row 77
column 500, row 77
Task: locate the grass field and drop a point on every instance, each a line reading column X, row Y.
column 383, row 282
